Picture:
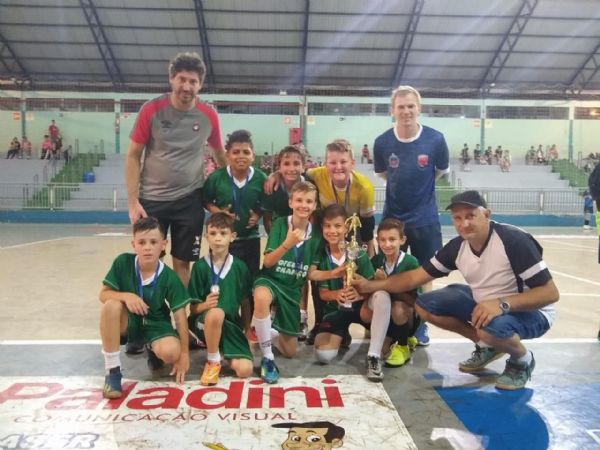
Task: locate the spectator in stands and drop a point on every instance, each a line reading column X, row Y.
column 505, row 161
column 465, row 159
column 47, row 147
column 25, row 148
column 588, row 209
column 540, row 157
column 476, row 154
column 319, row 161
column 488, row 155
column 302, row 148
column 498, row 154
column 66, row 154
column 13, row 149
column 169, row 184
column 365, row 155
column 530, row 156
column 553, row 153
column 57, row 149
column 266, row 163
column 53, row 131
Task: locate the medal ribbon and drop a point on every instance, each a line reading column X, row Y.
column 138, row 274
column 214, row 276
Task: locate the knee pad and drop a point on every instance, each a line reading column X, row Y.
column 325, row 356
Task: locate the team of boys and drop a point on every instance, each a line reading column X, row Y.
column 508, row 295
column 221, row 284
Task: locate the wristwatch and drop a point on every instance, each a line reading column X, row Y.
column 504, row 305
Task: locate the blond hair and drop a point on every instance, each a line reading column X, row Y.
column 405, row 90
column 340, row 146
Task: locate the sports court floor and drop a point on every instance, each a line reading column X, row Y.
column 51, row 369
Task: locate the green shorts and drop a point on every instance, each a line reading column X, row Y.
column 287, row 314
column 141, row 329
column 233, row 343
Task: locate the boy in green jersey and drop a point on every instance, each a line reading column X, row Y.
column 391, row 259
column 292, row 247
column 220, row 285
column 138, row 295
column 237, row 190
column 276, row 204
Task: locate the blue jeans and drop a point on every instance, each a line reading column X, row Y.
column 456, row 300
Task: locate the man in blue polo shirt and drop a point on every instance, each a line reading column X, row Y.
column 411, row 156
column 508, row 297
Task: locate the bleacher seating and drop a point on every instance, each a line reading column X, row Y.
column 109, row 181
column 520, row 177
column 26, row 170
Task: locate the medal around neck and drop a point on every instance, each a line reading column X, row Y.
column 214, row 289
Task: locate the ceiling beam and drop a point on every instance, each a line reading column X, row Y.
column 409, row 35
column 586, row 72
column 505, row 48
column 9, row 60
column 108, row 57
column 304, row 42
column 200, row 19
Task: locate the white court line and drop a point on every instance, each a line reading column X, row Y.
column 573, row 294
column 115, row 234
column 571, row 245
column 585, row 280
column 564, row 236
column 27, row 244
column 358, row 341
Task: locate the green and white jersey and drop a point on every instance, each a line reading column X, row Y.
column 122, row 277
column 235, row 284
column 329, row 262
column 278, row 203
column 223, row 190
column 291, row 270
column 403, row 263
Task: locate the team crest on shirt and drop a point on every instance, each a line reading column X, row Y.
column 422, row 160
column 196, row 126
column 393, row 161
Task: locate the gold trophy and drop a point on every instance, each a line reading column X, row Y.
column 351, row 249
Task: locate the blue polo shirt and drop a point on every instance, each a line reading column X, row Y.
column 411, row 169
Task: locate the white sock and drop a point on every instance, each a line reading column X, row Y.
column 525, row 359
column 303, row 316
column 213, row 357
column 381, row 305
column 263, row 334
column 111, row 360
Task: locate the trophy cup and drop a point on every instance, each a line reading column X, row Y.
column 351, row 250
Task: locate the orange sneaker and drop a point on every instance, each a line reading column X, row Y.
column 210, row 375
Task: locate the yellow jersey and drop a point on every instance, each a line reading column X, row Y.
column 357, row 197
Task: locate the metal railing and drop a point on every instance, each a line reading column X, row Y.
column 113, row 197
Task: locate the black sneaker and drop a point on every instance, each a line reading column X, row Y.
column 134, row 348
column 154, row 362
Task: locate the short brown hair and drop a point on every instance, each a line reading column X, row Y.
column 291, row 150
column 187, row 62
column 221, row 220
column 147, row 224
column 303, row 186
column 391, row 224
column 334, row 211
